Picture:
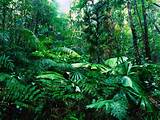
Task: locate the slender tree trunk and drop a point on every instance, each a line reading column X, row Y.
column 134, row 34
column 138, row 15
column 36, row 24
column 97, row 50
column 94, row 49
column 157, row 29
column 156, row 4
column 4, row 16
column 145, row 34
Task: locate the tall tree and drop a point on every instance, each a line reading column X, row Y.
column 145, row 33
column 134, row 34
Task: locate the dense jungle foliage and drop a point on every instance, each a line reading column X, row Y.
column 100, row 61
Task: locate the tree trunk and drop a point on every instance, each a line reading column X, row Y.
column 36, row 22
column 134, row 34
column 138, row 15
column 4, row 16
column 145, row 34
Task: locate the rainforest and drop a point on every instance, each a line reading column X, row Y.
column 94, row 60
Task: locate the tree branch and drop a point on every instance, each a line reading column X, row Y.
column 156, row 4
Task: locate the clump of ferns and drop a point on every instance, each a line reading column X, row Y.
column 6, row 63
column 19, row 95
column 127, row 79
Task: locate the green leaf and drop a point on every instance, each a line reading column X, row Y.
column 98, row 104
column 146, row 104
column 127, row 82
column 113, row 62
column 50, row 75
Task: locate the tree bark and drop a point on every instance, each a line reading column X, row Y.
column 36, row 23
column 145, row 34
column 134, row 34
column 138, row 15
column 4, row 16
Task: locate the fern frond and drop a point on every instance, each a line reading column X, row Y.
column 116, row 106
column 51, row 81
column 68, row 51
column 58, row 87
column 26, row 39
column 20, row 94
column 50, row 75
column 20, row 57
column 88, row 87
column 56, row 56
column 77, row 78
column 50, row 64
column 6, row 63
column 4, row 38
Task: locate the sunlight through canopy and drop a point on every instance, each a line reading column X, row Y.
column 64, row 5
